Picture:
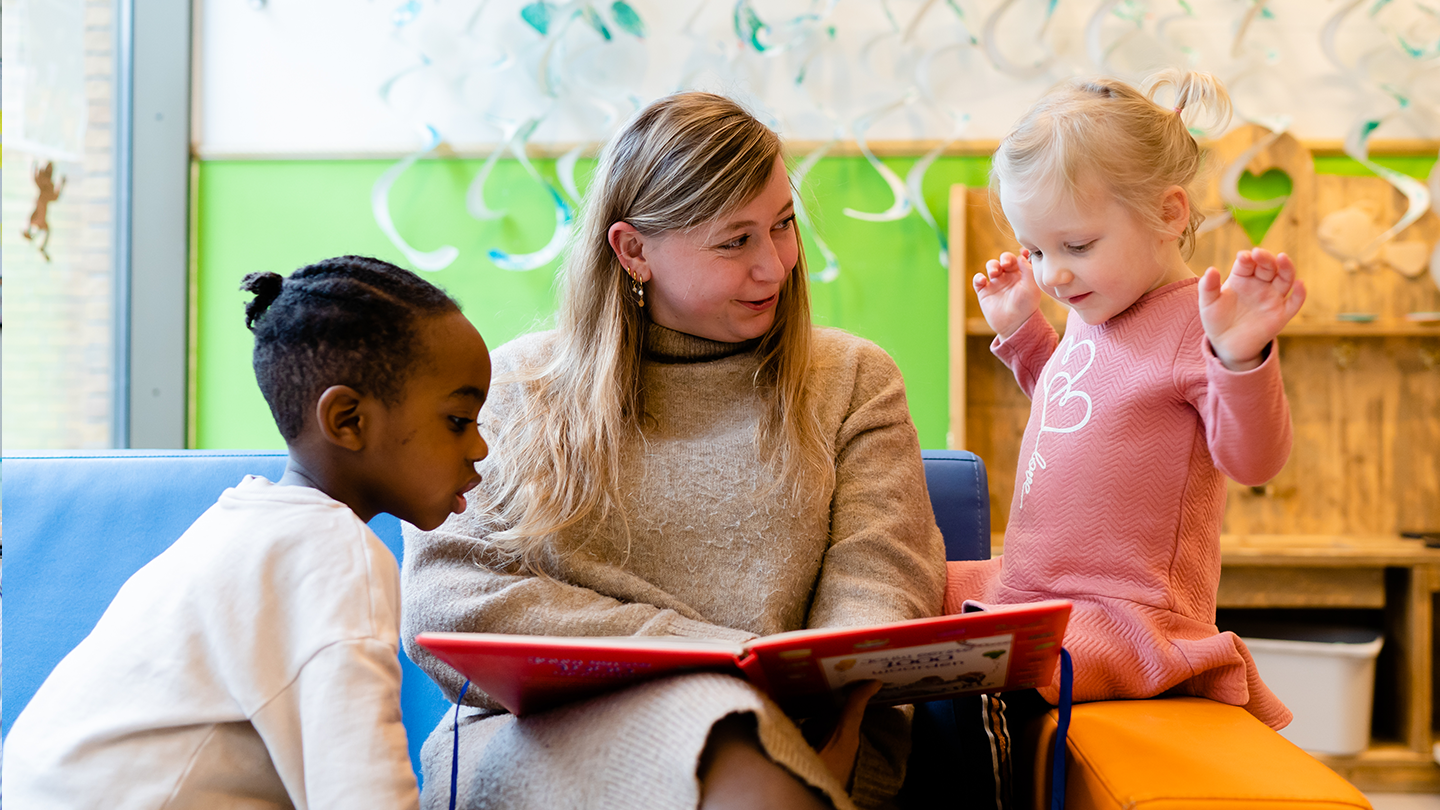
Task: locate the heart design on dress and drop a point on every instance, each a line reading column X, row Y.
column 1060, row 390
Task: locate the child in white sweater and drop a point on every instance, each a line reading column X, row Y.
column 254, row 663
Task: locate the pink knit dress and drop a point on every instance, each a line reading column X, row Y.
column 1120, row 494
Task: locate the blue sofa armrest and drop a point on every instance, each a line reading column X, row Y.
column 960, row 496
column 77, row 525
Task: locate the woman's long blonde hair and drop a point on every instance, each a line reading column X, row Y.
column 682, row 162
column 1105, row 131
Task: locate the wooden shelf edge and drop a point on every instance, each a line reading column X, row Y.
column 1393, row 327
column 1387, row 768
column 1309, row 550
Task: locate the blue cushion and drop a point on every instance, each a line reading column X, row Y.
column 960, row 495
column 77, row 525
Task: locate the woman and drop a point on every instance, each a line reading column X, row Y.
column 683, row 456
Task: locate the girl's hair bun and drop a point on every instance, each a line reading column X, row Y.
column 266, row 287
column 1198, row 97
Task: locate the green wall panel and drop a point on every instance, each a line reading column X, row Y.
column 258, row 215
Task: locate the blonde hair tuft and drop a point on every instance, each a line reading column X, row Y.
column 1104, row 131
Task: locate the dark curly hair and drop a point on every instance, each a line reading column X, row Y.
column 351, row 320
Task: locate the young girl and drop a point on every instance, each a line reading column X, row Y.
column 1163, row 385
column 254, row 662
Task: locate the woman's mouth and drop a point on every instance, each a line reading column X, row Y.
column 761, row 305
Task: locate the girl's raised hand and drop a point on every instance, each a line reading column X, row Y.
column 1245, row 313
column 1007, row 291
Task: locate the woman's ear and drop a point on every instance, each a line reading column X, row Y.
column 342, row 415
column 629, row 246
column 1175, row 211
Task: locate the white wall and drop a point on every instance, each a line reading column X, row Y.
column 306, row 76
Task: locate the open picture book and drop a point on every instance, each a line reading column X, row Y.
column 805, row 671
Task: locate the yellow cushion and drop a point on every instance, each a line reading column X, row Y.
column 1171, row 753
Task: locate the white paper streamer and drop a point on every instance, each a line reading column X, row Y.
column 475, row 193
column 564, row 217
column 831, row 270
column 1095, row 36
column 1001, row 62
column 438, row 259
column 1418, row 196
column 900, row 208
column 1237, row 46
column 1327, row 35
column 565, row 168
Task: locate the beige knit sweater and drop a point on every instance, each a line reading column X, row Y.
column 711, row 552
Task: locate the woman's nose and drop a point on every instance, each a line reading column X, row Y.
column 770, row 265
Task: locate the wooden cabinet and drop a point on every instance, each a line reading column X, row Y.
column 1365, row 403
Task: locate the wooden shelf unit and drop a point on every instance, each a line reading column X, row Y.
column 1365, row 403
column 1389, row 327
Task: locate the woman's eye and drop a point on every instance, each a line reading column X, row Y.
column 459, row 423
column 786, row 223
column 737, row 242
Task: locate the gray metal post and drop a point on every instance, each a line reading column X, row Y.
column 158, row 214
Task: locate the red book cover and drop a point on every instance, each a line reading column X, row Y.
column 805, row 671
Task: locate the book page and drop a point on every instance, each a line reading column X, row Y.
column 915, row 673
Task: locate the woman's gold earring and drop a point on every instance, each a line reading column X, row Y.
column 636, row 287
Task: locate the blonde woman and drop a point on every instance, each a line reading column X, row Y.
column 684, row 455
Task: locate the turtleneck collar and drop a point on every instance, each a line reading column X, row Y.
column 664, row 345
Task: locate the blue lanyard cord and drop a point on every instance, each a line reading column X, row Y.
column 455, row 750
column 1057, row 773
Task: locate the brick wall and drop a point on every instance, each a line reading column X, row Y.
column 58, row 319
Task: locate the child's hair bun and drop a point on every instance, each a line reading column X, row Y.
column 266, row 287
column 1194, row 91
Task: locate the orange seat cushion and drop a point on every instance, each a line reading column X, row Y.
column 1172, row 753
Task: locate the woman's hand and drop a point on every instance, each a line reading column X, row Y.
column 1007, row 291
column 840, row 750
column 1244, row 314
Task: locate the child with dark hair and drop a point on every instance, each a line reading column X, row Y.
column 254, row 662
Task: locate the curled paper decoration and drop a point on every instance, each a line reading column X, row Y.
column 1095, row 33
column 405, row 14
column 565, row 168
column 475, row 193
column 1416, row 194
column 564, row 224
column 900, row 208
column 437, row 259
column 1000, row 61
column 831, row 270
column 915, row 183
column 953, row 6
column 1257, row 8
column 1230, row 178
column 772, row 38
column 564, row 217
column 389, row 84
column 628, row 19
column 1332, row 27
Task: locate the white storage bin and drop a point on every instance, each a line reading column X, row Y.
column 1325, row 675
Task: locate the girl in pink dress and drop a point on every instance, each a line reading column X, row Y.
column 1163, row 384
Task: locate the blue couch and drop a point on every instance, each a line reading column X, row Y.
column 77, row 525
